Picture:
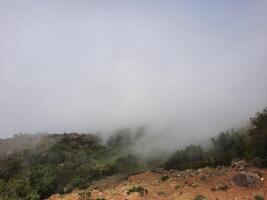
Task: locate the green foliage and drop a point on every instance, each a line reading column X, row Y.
column 31, row 183
column 138, row 189
column 127, row 163
column 18, row 188
column 229, row 145
column 75, row 183
column 225, row 147
column 120, row 138
column 63, row 162
column 10, row 166
column 246, row 144
column 191, row 157
column 258, row 134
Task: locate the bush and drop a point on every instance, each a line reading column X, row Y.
column 191, row 157
column 18, row 188
column 127, row 163
column 259, row 197
column 258, row 134
column 68, row 161
column 121, row 138
column 164, row 178
column 178, row 186
column 10, row 166
column 75, row 183
column 63, row 162
column 42, row 179
column 229, row 145
column 161, row 193
column 85, row 195
column 199, row 197
column 138, row 189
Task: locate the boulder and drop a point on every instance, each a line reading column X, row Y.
column 247, row 179
column 239, row 164
column 221, row 186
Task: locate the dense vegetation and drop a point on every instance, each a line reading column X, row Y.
column 63, row 162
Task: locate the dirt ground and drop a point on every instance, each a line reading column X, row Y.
column 213, row 184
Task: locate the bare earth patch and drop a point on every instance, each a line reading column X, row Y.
column 213, row 184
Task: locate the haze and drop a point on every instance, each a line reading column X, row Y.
column 184, row 69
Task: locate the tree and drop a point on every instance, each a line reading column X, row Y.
column 258, row 134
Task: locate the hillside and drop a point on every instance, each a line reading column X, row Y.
column 19, row 143
column 63, row 163
column 208, row 183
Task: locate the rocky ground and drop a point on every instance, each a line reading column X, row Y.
column 224, row 183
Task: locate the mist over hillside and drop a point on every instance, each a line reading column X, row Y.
column 92, row 90
column 180, row 69
column 62, row 163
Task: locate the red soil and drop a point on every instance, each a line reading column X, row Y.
column 181, row 185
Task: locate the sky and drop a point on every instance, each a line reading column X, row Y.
column 185, row 69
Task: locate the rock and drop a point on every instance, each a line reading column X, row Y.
column 194, row 185
column 221, row 186
column 157, row 170
column 239, row 164
column 247, row 179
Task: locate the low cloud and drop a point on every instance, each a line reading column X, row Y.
column 182, row 70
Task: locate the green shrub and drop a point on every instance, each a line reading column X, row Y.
column 138, row 189
column 18, row 188
column 164, row 178
column 62, row 162
column 121, row 138
column 259, row 197
column 258, row 134
column 229, row 145
column 75, row 183
column 161, row 193
column 199, row 197
column 10, row 166
column 85, row 195
column 191, row 157
column 178, row 186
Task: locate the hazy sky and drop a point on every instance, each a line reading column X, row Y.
column 183, row 68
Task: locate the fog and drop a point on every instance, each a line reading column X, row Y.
column 184, row 69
